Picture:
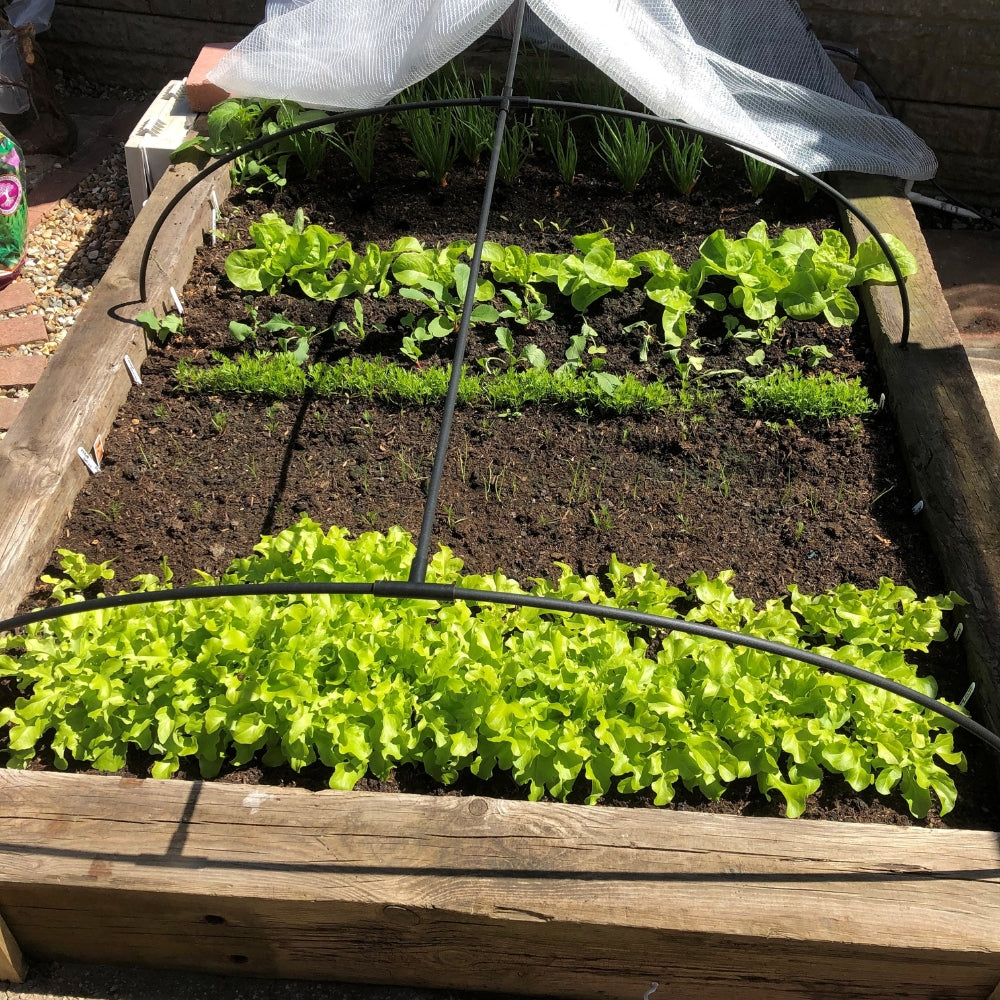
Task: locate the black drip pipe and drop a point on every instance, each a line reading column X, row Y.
column 528, row 103
column 448, row 593
column 418, row 568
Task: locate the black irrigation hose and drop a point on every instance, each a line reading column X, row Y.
column 961, row 204
column 418, row 568
column 528, row 103
column 448, row 594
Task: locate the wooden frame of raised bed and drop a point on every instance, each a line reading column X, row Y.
column 528, row 898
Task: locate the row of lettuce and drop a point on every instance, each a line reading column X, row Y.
column 561, row 702
column 765, row 279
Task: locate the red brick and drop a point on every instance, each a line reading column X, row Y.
column 202, row 94
column 17, row 330
column 16, row 295
column 9, row 409
column 20, row 369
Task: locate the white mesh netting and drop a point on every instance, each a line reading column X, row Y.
column 748, row 69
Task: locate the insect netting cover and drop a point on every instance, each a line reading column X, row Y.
column 748, row 69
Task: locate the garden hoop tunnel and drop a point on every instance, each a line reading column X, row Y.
column 416, row 587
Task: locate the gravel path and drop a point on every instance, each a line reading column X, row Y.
column 71, row 248
column 69, row 251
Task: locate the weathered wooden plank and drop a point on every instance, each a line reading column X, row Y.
column 951, row 446
column 84, row 384
column 474, row 893
column 12, row 964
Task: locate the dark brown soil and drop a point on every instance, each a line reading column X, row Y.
column 711, row 489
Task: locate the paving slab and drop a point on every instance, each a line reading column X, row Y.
column 16, row 295
column 9, row 409
column 18, row 330
column 968, row 265
column 18, row 370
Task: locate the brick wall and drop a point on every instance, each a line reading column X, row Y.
column 142, row 43
column 939, row 60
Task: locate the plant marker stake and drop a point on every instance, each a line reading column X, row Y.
column 88, row 461
column 215, row 214
column 133, row 374
column 967, row 695
column 177, row 301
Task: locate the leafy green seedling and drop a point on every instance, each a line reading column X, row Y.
column 683, row 159
column 791, row 394
column 531, row 309
column 530, row 356
column 359, row 328
column 811, row 354
column 627, row 147
column 160, row 329
column 759, row 174
column 582, row 346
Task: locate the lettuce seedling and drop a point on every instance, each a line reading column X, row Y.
column 288, row 253
column 586, row 279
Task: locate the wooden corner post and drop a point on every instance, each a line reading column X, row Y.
column 12, row 965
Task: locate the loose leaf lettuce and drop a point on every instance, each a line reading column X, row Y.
column 366, row 685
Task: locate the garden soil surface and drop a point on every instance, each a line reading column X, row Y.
column 198, row 479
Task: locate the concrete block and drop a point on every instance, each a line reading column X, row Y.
column 965, row 84
column 975, row 179
column 949, row 129
column 202, row 94
column 942, row 11
column 246, row 12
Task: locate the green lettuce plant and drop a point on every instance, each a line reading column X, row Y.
column 795, row 273
column 365, row 685
column 288, row 253
column 591, row 276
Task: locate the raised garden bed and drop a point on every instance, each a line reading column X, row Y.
column 703, row 947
